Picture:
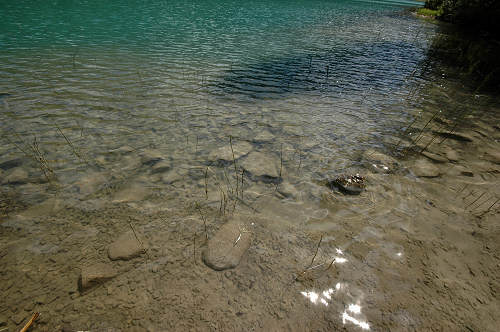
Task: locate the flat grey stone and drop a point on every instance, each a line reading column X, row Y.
column 225, row 250
column 226, row 154
column 426, row 169
column 95, row 274
column 125, row 247
column 261, row 165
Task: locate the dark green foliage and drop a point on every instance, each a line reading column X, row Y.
column 433, row 4
column 473, row 44
column 474, row 55
column 475, row 14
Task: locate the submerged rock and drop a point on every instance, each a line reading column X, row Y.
column 452, row 155
column 225, row 153
column 225, row 250
column 493, row 156
column 125, row 247
column 17, row 176
column 161, row 166
column 349, row 184
column 16, row 162
column 95, row 274
column 264, row 136
column 262, row 167
column 379, row 162
column 288, row 190
column 123, row 150
column 174, row 175
column 434, row 157
column 454, row 136
column 150, row 157
column 426, row 169
column 132, row 193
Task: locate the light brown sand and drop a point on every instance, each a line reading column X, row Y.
column 411, row 254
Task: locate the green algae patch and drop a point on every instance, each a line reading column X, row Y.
column 426, row 12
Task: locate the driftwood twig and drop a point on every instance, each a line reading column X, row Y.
column 30, row 322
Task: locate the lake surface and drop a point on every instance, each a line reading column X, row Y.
column 323, row 77
column 173, row 116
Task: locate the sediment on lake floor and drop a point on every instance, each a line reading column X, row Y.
column 427, row 211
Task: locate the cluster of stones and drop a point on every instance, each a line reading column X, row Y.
column 126, row 247
column 223, row 251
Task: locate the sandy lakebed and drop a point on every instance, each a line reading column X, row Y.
column 417, row 250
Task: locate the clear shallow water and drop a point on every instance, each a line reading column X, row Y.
column 129, row 104
column 314, row 82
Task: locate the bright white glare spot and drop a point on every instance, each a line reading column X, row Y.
column 328, row 293
column 347, row 317
column 323, row 298
column 339, row 251
column 340, row 260
column 312, row 296
column 253, row 224
column 337, row 286
column 399, row 254
column 354, row 308
column 386, row 168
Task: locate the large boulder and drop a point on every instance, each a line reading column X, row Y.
column 227, row 247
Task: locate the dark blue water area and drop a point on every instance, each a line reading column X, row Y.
column 381, row 66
